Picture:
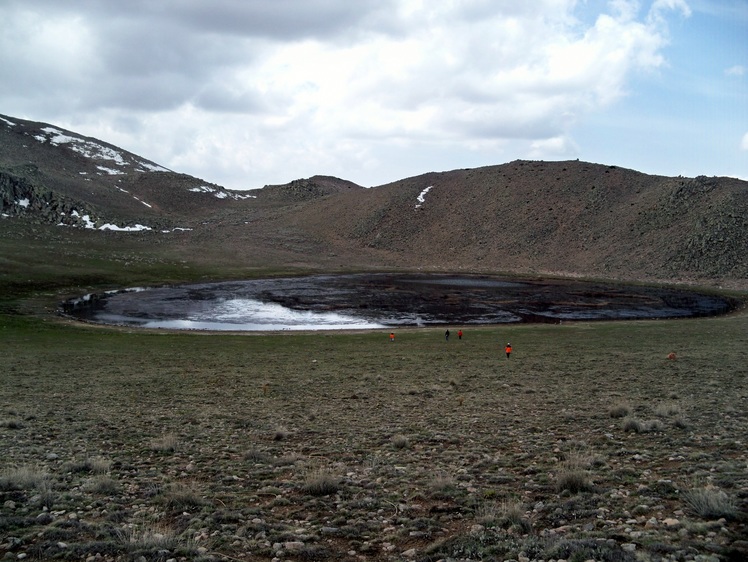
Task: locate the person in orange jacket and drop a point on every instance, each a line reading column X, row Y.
column 508, row 350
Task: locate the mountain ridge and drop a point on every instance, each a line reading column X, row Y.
column 531, row 217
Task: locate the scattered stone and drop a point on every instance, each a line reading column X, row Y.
column 293, row 546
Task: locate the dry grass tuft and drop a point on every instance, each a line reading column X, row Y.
column 633, row 424
column 441, row 482
column 400, row 442
column 619, row 410
column 96, row 465
column 280, row 433
column 257, row 456
column 148, row 537
column 508, row 514
column 103, row 485
column 11, row 423
column 166, row 444
column 320, row 482
column 23, row 478
column 289, row 459
column 573, row 479
column 573, row 475
column 180, row 497
column 710, row 503
column 668, row 409
column 640, row 426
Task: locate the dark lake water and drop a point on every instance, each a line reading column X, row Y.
column 364, row 301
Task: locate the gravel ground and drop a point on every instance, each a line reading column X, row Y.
column 121, row 446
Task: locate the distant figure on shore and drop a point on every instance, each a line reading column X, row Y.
column 392, row 336
column 508, row 350
column 446, row 335
column 459, row 335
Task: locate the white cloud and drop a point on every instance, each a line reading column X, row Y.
column 553, row 148
column 254, row 92
column 744, row 142
column 737, row 70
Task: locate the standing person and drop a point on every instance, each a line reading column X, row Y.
column 508, row 350
column 459, row 335
column 446, row 335
column 392, row 336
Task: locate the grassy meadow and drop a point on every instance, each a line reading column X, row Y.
column 589, row 443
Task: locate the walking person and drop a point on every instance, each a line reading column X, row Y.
column 392, row 336
column 459, row 335
column 508, row 350
column 446, row 335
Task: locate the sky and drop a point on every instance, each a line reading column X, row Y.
column 246, row 93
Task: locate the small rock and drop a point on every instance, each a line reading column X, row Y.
column 410, row 553
column 671, row 522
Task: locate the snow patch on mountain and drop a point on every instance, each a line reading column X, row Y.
column 221, row 193
column 96, row 151
column 422, row 197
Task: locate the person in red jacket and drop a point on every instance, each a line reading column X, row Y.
column 508, row 350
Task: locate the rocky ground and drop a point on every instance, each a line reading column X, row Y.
column 590, row 443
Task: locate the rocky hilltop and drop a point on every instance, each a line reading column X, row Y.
column 563, row 218
column 52, row 175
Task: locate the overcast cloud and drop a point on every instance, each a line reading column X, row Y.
column 251, row 92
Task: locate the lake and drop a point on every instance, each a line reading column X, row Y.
column 386, row 301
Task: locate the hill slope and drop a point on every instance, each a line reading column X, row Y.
column 560, row 217
column 570, row 218
column 53, row 175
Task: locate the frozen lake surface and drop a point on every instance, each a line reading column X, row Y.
column 371, row 301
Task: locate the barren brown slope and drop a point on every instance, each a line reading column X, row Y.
column 572, row 218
